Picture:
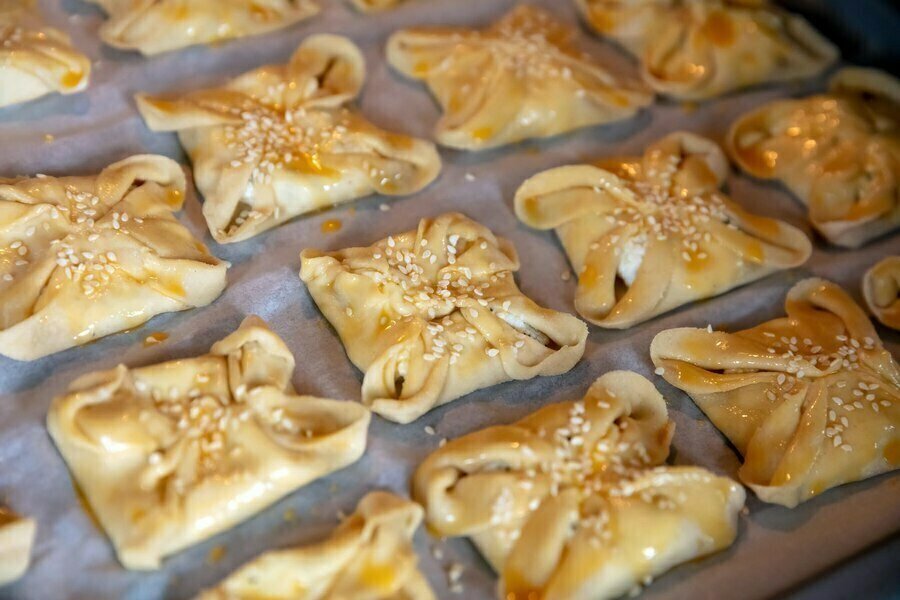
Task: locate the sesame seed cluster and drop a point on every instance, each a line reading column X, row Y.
column 664, row 210
column 77, row 225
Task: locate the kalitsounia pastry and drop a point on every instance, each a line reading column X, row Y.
column 85, row 257
column 16, row 539
column 36, row 60
column 648, row 234
column 170, row 454
column 838, row 152
column 282, row 141
column 881, row 290
column 155, row 26
column 810, row 400
column 520, row 78
column 575, row 500
column 374, row 5
column 700, row 49
column 432, row 314
column 369, row 556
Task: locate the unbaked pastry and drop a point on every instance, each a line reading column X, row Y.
column 282, row 141
column 575, row 501
column 85, row 257
column 374, row 5
column 520, row 78
column 839, row 152
column 155, row 26
column 811, row 400
column 433, row 314
column 170, row 454
column 881, row 289
column 699, row 49
column 369, row 556
column 36, row 60
column 16, row 539
column 646, row 235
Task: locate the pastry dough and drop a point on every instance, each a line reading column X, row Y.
column 16, row 539
column 170, row 454
column 881, row 289
column 811, row 400
column 433, row 314
column 375, row 5
column 647, row 235
column 520, row 78
column 85, row 257
column 575, row 501
column 155, row 26
column 282, row 141
column 700, row 49
column 36, row 60
column 839, row 152
column 369, row 556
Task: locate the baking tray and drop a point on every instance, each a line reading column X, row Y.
column 778, row 551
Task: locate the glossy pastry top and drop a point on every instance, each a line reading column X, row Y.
column 811, row 400
column 881, row 290
column 369, row 556
column 36, row 60
column 281, row 141
column 520, row 78
column 85, row 257
column 154, row 26
column 648, row 234
column 16, row 538
column 839, row 152
column 170, row 454
column 699, row 49
column 575, row 501
column 374, row 5
column 432, row 314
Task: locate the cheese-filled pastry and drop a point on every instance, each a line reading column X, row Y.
column 155, row 26
column 16, row 539
column 170, row 454
column 85, row 257
column 700, row 49
column 646, row 235
column 370, row 556
column 36, row 60
column 432, row 314
column 284, row 140
column 520, row 78
column 810, row 400
column 881, row 290
column 838, row 152
column 575, row 500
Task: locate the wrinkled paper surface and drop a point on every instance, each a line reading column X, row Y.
column 776, row 549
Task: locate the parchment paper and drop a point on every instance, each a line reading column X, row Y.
column 777, row 549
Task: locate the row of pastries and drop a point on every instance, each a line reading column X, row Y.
column 168, row 455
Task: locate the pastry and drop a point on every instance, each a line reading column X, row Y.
column 700, row 49
column 155, row 26
column 881, row 289
column 839, row 152
column 374, row 5
column 168, row 455
column 520, row 78
column 433, row 314
column 811, row 400
column 575, row 501
column 646, row 235
column 85, row 257
column 282, row 141
column 369, row 556
column 36, row 60
column 16, row 539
